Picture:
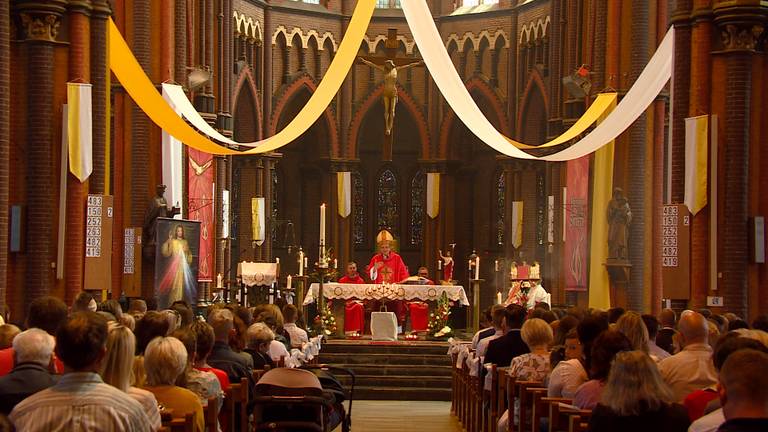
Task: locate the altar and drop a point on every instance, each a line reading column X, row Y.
column 344, row 292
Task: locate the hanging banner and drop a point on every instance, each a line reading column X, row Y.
column 696, row 160
column 80, row 130
column 575, row 260
column 200, row 192
column 433, row 194
column 344, row 192
column 517, row 224
column 173, row 166
column 602, row 192
column 257, row 221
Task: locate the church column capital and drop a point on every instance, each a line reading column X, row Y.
column 742, row 27
column 344, row 165
column 434, row 166
column 39, row 21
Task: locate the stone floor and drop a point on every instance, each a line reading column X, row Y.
column 403, row 416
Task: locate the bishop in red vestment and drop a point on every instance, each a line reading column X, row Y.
column 388, row 267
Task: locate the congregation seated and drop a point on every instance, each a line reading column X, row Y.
column 568, row 374
column 153, row 324
column 497, row 320
column 486, row 323
column 691, row 369
column 204, row 384
column 631, row 325
column 165, row 359
column 298, row 336
column 652, row 325
column 204, row 338
column 81, row 400
column 46, row 313
column 744, row 392
column 604, row 349
column 7, row 333
column 635, row 398
column 33, row 351
column 116, row 370
column 502, row 350
column 84, row 302
column 258, row 339
column 273, row 318
column 222, row 356
column 533, row 366
column 665, row 339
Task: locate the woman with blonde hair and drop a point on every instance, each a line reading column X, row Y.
column 116, row 370
column 632, row 326
column 636, row 398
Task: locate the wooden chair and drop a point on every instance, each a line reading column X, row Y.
column 235, row 411
column 528, row 396
column 211, row 415
column 579, row 422
column 492, row 397
column 185, row 424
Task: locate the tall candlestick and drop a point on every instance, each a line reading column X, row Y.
column 496, row 265
column 288, row 282
column 219, row 281
column 322, row 224
column 498, row 297
column 477, row 268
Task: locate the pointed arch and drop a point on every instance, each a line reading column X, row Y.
column 246, row 80
column 303, row 82
column 404, row 100
column 534, row 88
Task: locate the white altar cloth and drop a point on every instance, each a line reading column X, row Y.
column 333, row 290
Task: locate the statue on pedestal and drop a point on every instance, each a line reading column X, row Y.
column 619, row 218
column 158, row 208
column 447, row 263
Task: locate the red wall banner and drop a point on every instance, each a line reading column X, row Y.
column 200, row 175
column 575, row 264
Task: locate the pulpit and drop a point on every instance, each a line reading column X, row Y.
column 383, row 326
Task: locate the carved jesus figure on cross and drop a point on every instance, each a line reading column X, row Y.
column 389, row 96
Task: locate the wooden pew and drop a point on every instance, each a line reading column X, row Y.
column 491, row 397
column 579, row 422
column 235, row 410
column 528, row 395
column 211, row 413
column 185, row 424
column 559, row 416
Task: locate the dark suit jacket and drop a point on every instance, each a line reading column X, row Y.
column 490, row 331
column 23, row 381
column 664, row 339
column 670, row 418
column 260, row 359
column 501, row 351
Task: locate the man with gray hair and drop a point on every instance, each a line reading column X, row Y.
column 692, row 368
column 33, row 352
column 258, row 337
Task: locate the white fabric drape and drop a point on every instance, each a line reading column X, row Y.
column 648, row 85
column 173, row 165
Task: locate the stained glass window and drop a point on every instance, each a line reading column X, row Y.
column 418, row 199
column 500, row 207
column 387, row 202
column 358, row 209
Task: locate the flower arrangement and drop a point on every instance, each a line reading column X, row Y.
column 438, row 320
column 325, row 322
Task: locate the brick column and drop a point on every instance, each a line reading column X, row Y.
column 40, row 23
column 99, row 14
column 5, row 150
column 79, row 70
column 637, row 179
column 180, row 42
column 742, row 29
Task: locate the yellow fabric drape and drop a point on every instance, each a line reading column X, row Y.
column 433, row 194
column 602, row 190
column 79, row 130
column 696, row 162
column 138, row 85
column 344, row 192
column 257, row 220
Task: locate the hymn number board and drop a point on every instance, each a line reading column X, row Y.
column 98, row 243
column 675, row 251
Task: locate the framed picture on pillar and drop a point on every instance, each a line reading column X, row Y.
column 177, row 259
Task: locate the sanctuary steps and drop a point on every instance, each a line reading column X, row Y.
column 417, row 371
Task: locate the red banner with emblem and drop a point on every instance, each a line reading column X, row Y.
column 200, row 188
column 575, row 264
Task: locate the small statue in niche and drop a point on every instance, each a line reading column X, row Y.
column 158, row 208
column 619, row 219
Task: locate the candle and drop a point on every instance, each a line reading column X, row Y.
column 322, row 224
column 496, row 265
column 288, row 282
column 277, row 260
column 219, row 281
column 306, row 263
column 498, row 297
column 440, row 264
column 477, row 268
column 471, row 263
column 301, row 263
column 335, row 263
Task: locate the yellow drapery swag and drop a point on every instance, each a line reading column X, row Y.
column 696, row 162
column 433, row 194
column 80, row 130
column 602, row 191
column 517, row 224
column 257, row 220
column 141, row 89
column 344, row 192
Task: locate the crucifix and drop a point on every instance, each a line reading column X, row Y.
column 390, row 64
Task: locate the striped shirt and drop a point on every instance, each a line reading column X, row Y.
column 80, row 402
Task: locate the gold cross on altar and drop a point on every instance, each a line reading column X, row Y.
column 390, row 64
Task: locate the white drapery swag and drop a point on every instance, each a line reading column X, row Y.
column 644, row 91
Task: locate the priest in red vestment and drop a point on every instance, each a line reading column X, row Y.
column 388, row 267
column 354, row 311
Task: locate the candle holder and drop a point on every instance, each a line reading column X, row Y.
column 325, row 318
